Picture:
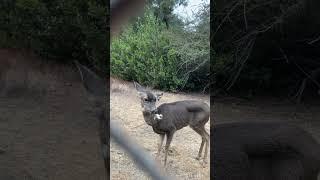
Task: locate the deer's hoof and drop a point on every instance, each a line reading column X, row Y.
column 204, row 164
column 198, row 158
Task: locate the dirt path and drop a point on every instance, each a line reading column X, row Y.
column 125, row 107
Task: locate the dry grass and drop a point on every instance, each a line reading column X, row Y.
column 125, row 107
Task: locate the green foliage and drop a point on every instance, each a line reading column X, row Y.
column 221, row 63
column 170, row 59
column 56, row 29
column 264, row 46
column 194, row 50
column 144, row 53
column 163, row 10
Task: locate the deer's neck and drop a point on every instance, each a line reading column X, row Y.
column 149, row 118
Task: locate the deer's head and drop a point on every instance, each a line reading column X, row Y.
column 148, row 99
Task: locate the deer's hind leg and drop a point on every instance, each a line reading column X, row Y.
column 205, row 140
column 201, row 148
column 168, row 142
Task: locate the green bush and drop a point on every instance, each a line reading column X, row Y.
column 56, row 29
column 144, row 53
column 170, row 58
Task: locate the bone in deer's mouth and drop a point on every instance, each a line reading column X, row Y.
column 158, row 116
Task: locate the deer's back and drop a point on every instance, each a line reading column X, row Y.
column 179, row 114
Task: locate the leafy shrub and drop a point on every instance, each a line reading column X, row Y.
column 56, row 29
column 144, row 53
column 167, row 58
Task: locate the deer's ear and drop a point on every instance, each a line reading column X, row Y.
column 142, row 94
column 91, row 81
column 138, row 87
column 159, row 95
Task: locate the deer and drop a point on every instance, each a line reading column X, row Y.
column 97, row 86
column 168, row 118
column 262, row 151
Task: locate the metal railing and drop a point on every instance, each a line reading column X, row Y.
column 120, row 9
column 141, row 157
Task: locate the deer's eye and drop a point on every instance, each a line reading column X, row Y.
column 145, row 99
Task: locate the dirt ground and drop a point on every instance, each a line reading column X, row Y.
column 306, row 116
column 125, row 107
column 48, row 124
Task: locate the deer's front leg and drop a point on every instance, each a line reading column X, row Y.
column 160, row 145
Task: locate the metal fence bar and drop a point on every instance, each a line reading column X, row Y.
column 141, row 157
